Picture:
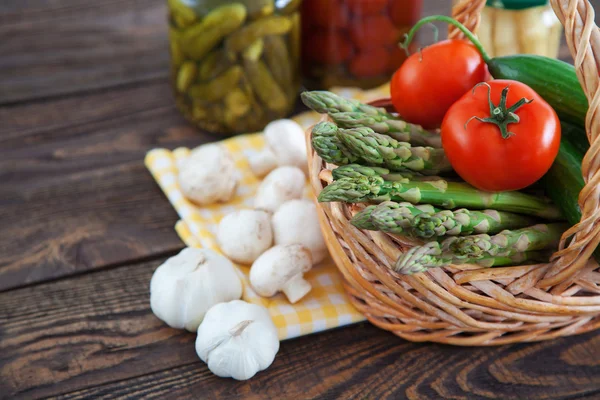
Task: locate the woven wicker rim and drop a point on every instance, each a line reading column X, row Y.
column 464, row 304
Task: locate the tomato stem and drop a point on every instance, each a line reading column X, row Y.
column 443, row 18
column 499, row 114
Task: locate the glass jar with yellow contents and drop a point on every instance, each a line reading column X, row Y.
column 234, row 64
column 519, row 27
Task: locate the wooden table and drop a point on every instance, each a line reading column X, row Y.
column 83, row 95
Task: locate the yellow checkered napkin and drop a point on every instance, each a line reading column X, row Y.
column 326, row 306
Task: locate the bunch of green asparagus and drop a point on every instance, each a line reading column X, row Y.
column 392, row 165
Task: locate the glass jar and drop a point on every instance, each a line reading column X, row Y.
column 519, row 27
column 234, row 65
column 354, row 42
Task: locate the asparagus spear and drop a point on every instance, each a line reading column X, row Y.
column 376, row 149
column 328, row 146
column 325, row 102
column 438, row 193
column 504, row 248
column 389, row 125
column 507, row 243
column 421, row 258
column 466, row 222
column 362, row 219
column 398, row 218
column 390, row 216
column 357, row 170
column 331, row 144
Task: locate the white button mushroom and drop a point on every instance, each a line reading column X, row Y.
column 262, row 163
column 237, row 339
column 297, row 222
column 245, row 234
column 208, row 175
column 185, row 286
column 281, row 185
column 286, row 145
column 281, row 268
column 285, row 138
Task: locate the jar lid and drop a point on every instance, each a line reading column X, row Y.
column 515, row 4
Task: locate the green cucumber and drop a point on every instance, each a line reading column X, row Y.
column 552, row 79
column 564, row 181
column 575, row 136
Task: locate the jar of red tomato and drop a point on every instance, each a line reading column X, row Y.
column 354, row 42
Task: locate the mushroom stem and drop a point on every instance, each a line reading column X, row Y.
column 296, row 288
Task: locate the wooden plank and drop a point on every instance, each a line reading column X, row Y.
column 75, row 195
column 94, row 335
column 68, row 46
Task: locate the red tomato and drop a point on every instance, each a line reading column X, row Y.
column 430, row 81
column 405, row 13
column 326, row 14
column 370, row 62
column 487, row 160
column 327, row 47
column 374, row 31
column 362, row 8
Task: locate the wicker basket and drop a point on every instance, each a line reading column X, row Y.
column 465, row 304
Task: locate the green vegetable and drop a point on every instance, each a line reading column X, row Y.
column 265, row 87
column 466, row 222
column 273, row 25
column 214, row 64
column 393, row 217
column 564, row 181
column 480, row 249
column 389, row 125
column 217, row 88
column 421, row 258
column 325, row 102
column 294, row 41
column 182, row 14
column 327, row 145
column 362, row 219
column 554, row 80
column 202, row 37
column 287, row 6
column 254, row 51
column 177, row 56
column 438, row 193
column 376, row 149
column 357, row 170
column 186, row 75
column 576, row 137
column 279, row 63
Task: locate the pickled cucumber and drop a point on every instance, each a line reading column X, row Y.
column 186, row 75
column 202, row 37
column 254, row 51
column 288, row 6
column 294, row 41
column 177, row 57
column 241, row 39
column 265, row 87
column 181, row 13
column 219, row 87
column 278, row 61
column 237, row 103
column 213, row 64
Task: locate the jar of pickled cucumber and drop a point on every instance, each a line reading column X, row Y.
column 519, row 27
column 234, row 64
column 354, row 42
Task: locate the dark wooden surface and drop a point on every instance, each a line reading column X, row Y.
column 83, row 96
